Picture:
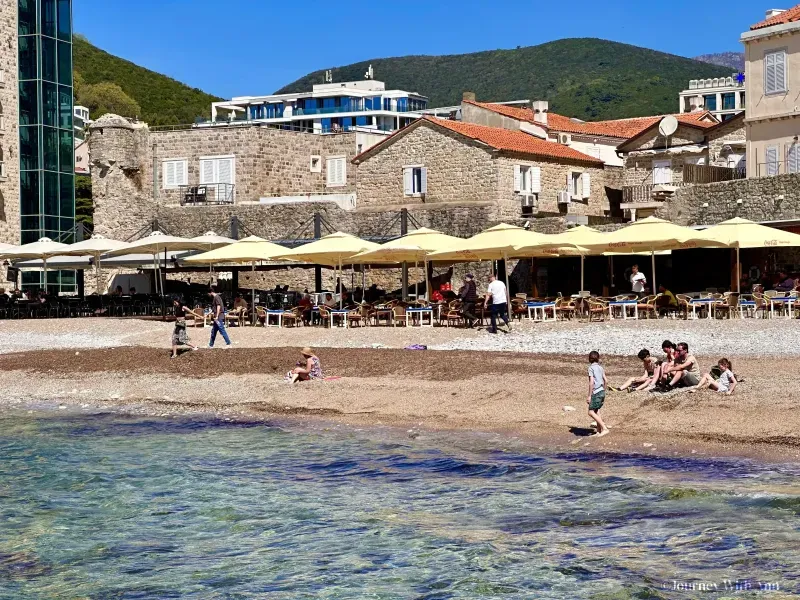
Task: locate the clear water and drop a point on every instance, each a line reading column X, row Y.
column 103, row 506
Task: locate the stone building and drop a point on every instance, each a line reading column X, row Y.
column 9, row 129
column 437, row 162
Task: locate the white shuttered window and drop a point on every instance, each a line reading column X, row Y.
column 772, row 160
column 217, row 169
column 793, row 158
column 174, row 173
column 775, row 72
column 415, row 181
column 586, row 180
column 336, row 171
column 662, row 172
column 527, row 180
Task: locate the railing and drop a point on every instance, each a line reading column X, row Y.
column 643, row 193
column 711, row 174
column 207, row 193
column 780, row 167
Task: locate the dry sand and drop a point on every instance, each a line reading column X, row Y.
column 516, row 394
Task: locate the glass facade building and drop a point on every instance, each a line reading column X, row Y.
column 46, row 134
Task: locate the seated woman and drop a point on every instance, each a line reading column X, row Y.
column 306, row 305
column 308, row 368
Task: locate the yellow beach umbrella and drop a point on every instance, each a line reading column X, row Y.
column 331, row 250
column 248, row 250
column 499, row 242
column 740, row 233
column 413, row 247
column 651, row 235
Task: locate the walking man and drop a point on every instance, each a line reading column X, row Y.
column 469, row 296
column 218, row 318
column 499, row 299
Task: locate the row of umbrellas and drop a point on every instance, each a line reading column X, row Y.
column 502, row 242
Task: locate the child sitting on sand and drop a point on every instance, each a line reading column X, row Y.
column 650, row 377
column 726, row 382
column 308, row 368
column 597, row 391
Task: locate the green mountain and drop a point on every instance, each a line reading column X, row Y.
column 586, row 78
column 107, row 83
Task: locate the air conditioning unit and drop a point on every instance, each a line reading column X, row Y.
column 564, row 138
column 529, row 201
column 564, row 198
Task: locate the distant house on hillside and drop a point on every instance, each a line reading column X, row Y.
column 444, row 162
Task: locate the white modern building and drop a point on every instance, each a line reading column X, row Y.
column 724, row 97
column 327, row 108
column 80, row 122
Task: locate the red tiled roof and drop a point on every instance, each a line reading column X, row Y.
column 619, row 128
column 514, row 141
column 787, row 16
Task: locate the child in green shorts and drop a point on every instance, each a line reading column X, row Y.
column 597, row 391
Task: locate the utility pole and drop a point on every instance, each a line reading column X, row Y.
column 404, row 231
column 317, row 269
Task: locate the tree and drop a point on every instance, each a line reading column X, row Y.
column 106, row 97
column 84, row 207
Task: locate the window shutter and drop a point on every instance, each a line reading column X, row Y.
column 772, row 160
column 770, row 83
column 408, row 183
column 586, row 179
column 536, row 180
column 342, row 171
column 224, row 170
column 424, row 180
column 780, row 71
column 169, row 174
column 569, row 183
column 517, row 179
column 207, row 171
column 182, row 173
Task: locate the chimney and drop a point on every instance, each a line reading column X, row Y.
column 772, row 12
column 469, row 96
column 539, row 108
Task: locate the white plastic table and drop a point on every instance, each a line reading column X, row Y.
column 746, row 305
column 535, row 307
column 274, row 313
column 624, row 305
column 786, row 302
column 342, row 314
column 410, row 312
column 695, row 302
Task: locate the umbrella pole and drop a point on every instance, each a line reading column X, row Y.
column 582, row 262
column 416, row 281
column 653, row 260
column 738, row 272
column 253, row 296
column 44, row 261
column 339, row 280
column 427, row 283
column 505, row 274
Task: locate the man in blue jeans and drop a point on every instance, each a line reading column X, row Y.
column 218, row 318
column 499, row 298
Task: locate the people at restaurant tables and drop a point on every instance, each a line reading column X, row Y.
column 469, row 297
column 305, row 305
column 666, row 302
column 329, row 301
column 132, row 291
column 117, row 291
column 785, row 283
column 239, row 303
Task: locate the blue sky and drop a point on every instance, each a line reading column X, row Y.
column 242, row 47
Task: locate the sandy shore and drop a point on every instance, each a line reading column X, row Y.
column 520, row 395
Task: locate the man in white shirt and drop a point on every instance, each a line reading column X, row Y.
column 497, row 295
column 638, row 281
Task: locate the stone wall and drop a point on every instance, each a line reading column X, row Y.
column 763, row 199
column 730, row 131
column 9, row 134
column 458, row 170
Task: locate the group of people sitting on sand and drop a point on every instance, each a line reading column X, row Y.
column 678, row 369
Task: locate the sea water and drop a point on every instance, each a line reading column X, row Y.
column 104, row 506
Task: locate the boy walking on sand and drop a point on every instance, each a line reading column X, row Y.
column 597, row 391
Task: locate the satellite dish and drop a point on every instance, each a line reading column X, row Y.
column 668, row 126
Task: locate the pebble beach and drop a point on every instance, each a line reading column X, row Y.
column 529, row 383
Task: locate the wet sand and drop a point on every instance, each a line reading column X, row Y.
column 516, row 394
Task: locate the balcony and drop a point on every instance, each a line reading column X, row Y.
column 206, row 194
column 648, row 193
column 693, row 174
column 780, row 167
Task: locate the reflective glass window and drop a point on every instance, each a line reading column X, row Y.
column 65, row 107
column 64, row 63
column 27, row 57
column 48, row 59
column 28, row 103
column 65, row 20
column 50, row 149
column 50, row 107
column 48, row 12
column 50, row 190
column 26, row 16
column 66, row 157
column 67, row 192
column 29, row 193
column 28, row 148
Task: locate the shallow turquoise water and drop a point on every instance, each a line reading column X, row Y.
column 104, row 506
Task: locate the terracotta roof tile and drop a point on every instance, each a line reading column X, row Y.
column 514, row 141
column 787, row 16
column 619, row 128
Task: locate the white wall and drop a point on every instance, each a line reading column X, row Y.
column 608, row 151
